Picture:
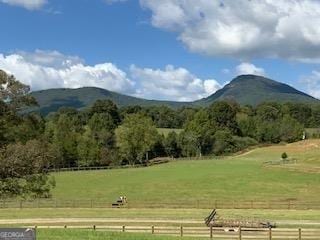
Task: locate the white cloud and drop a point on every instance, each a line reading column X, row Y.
column 249, row 68
column 51, row 69
column 172, row 84
column 287, row 29
column 28, row 4
column 312, row 83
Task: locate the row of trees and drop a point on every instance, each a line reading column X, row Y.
column 106, row 135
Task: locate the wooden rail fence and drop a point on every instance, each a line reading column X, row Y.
column 217, row 204
column 209, row 232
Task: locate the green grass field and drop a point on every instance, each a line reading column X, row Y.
column 91, row 235
column 238, row 178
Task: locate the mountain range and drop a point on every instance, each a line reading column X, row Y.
column 244, row 89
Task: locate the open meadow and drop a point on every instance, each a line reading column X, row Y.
column 198, row 183
column 183, row 192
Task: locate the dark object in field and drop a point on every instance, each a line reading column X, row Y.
column 121, row 201
column 213, row 221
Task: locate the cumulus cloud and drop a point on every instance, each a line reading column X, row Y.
column 249, row 68
column 285, row 29
column 312, row 83
column 51, row 69
column 28, row 4
column 172, row 84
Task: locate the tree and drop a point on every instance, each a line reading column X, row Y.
column 290, row 129
column 106, row 107
column 188, row 143
column 23, row 170
column 135, row 137
column 284, row 156
column 202, row 130
column 14, row 96
column 223, row 142
column 63, row 131
column 14, row 93
column 224, row 116
column 171, row 145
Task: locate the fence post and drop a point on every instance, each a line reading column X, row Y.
column 211, row 232
column 20, row 204
column 300, row 235
column 240, row 233
column 123, row 228
column 181, row 231
column 91, row 203
column 152, row 229
column 270, row 233
column 94, row 227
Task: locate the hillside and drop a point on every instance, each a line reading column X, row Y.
column 51, row 100
column 245, row 89
column 186, row 182
column 252, row 90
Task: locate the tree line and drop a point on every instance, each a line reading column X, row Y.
column 105, row 135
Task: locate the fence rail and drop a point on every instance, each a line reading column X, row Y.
column 217, row 204
column 208, row 232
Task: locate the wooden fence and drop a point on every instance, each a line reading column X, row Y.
column 217, row 204
column 209, row 232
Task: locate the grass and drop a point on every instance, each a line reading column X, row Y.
column 96, row 235
column 238, row 178
column 160, row 214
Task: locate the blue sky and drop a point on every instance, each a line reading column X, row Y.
column 170, row 49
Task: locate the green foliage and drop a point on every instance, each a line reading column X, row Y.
column 23, row 170
column 188, row 142
column 171, row 145
column 223, row 142
column 135, row 137
column 223, row 115
column 202, row 129
column 284, row 156
column 14, row 93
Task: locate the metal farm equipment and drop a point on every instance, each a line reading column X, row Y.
column 214, row 221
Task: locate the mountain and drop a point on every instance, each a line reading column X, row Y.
column 52, row 99
column 252, row 90
column 244, row 89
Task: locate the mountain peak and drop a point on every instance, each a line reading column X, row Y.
column 253, row 89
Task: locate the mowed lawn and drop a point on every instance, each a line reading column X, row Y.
column 96, row 235
column 243, row 177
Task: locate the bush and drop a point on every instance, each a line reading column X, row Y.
column 284, row 156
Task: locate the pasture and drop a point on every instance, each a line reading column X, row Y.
column 54, row 234
column 182, row 192
column 189, row 182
